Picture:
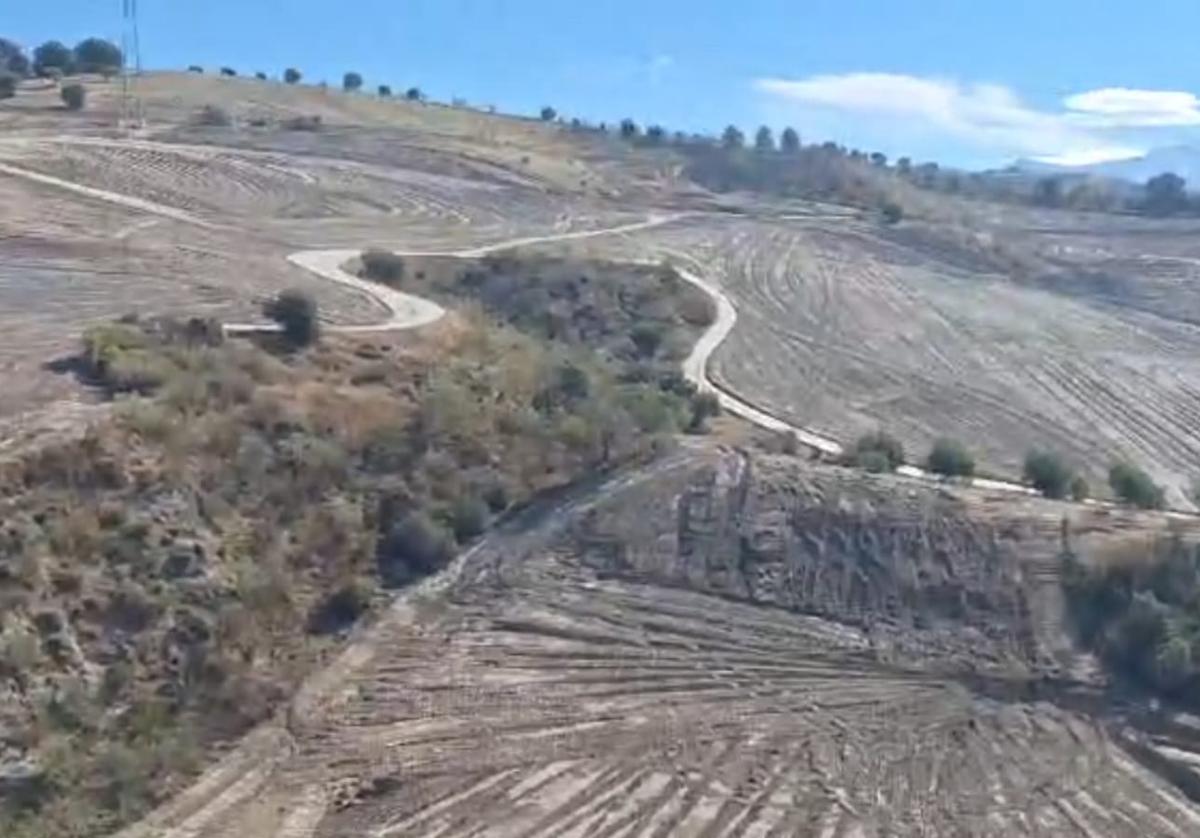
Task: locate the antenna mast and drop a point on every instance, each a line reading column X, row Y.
column 131, row 50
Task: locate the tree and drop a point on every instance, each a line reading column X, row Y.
column 53, row 55
column 383, row 266
column 764, row 140
column 291, row 75
column 878, row 158
column 950, row 458
column 733, row 138
column 629, row 128
column 1080, row 489
column 385, row 91
column 655, row 135
column 1166, row 194
column 13, row 58
column 1047, row 473
column 8, row 85
column 549, row 114
column 904, row 166
column 413, row 547
column 260, row 75
column 352, row 81
column 647, row 338
column 789, row 141
column 1132, row 485
column 413, row 94
column 296, row 314
column 96, row 55
column 704, row 406
column 195, row 68
column 228, row 71
column 876, row 452
column 74, row 96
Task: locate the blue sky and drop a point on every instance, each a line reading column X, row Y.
column 972, row 82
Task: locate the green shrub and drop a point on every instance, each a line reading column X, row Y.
column 74, row 96
column 341, row 609
column 261, row 76
column 549, row 114
column 468, row 517
column 303, row 123
column 383, row 266
column 214, row 116
column 1047, row 473
column 385, row 91
column 291, row 75
column 8, row 85
column 414, row 94
column 876, row 452
column 1132, row 485
column 228, row 71
column 352, row 82
column 891, row 212
column 414, row 547
column 704, row 406
column 950, row 459
column 647, row 338
column 296, row 314
column 196, row 68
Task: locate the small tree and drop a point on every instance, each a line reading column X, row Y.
column 53, row 55
column 413, row 94
column 655, row 135
column 1080, row 489
column 413, row 547
column 352, row 81
column 13, row 59
column 950, row 458
column 296, row 314
column 891, row 212
column 385, row 92
column 629, row 128
column 74, row 96
column 876, row 451
column 789, row 141
column 764, row 140
column 195, row 68
column 1132, row 485
column 1166, row 194
column 291, row 75
column 383, row 266
column 468, row 517
column 8, row 85
column 647, row 338
column 260, row 75
column 878, row 158
column 904, row 166
column 96, row 55
column 704, row 407
column 1047, row 473
column 228, row 71
column 732, row 138
column 549, row 114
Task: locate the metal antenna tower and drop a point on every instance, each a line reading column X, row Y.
column 131, row 50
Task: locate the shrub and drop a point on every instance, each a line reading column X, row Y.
column 549, row 114
column 96, row 55
column 1132, row 485
column 228, row 71
column 385, row 91
column 383, row 266
column 296, row 313
column 214, row 116
column 74, row 96
column 704, row 406
column 303, row 123
column 468, row 518
column 413, row 547
column 8, row 85
column 876, row 452
column 413, row 94
column 1080, row 491
column 352, row 81
column 951, row 459
column 892, row 212
column 260, row 75
column 647, row 338
column 291, row 75
column 1047, row 473
column 341, row 609
column 195, row 68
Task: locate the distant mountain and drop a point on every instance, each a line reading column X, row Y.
column 1182, row 160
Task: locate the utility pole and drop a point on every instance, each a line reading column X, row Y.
column 131, row 52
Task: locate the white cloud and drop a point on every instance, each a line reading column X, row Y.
column 1123, row 106
column 986, row 119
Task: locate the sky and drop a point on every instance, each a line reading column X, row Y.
column 974, row 83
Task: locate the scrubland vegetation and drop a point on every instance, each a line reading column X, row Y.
column 169, row 578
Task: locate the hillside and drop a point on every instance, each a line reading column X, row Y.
column 482, row 559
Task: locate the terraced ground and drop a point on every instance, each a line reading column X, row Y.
column 628, row 660
column 709, row 646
